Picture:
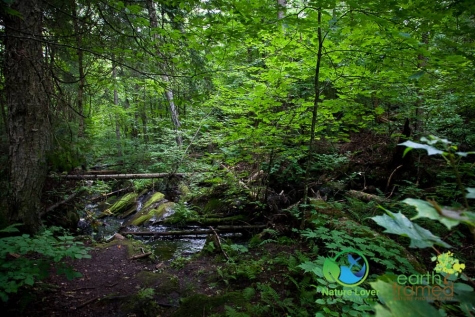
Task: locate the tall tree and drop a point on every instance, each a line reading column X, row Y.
column 26, row 91
column 168, row 90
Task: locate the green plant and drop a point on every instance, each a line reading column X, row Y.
column 179, row 262
column 183, row 212
column 420, row 237
column 25, row 259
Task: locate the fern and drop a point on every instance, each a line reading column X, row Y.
column 231, row 312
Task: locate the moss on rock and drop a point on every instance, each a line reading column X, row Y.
column 127, row 201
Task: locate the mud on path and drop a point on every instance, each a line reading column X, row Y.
column 115, row 285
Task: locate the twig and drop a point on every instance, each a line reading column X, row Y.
column 83, row 288
column 219, row 243
column 88, row 302
column 139, row 256
column 391, row 176
column 392, row 192
column 111, row 193
column 64, row 201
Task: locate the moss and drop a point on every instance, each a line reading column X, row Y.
column 140, row 220
column 147, row 214
column 155, row 198
column 163, row 283
column 184, row 190
column 127, row 201
column 132, row 245
column 162, row 209
column 197, row 304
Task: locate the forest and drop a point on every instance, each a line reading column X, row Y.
column 237, row 158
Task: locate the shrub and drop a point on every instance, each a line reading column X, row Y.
column 26, row 259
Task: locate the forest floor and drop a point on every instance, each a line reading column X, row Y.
column 113, row 284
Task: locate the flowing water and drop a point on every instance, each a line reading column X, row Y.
column 165, row 248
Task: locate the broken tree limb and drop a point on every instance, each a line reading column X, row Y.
column 221, row 229
column 64, row 201
column 219, row 243
column 121, row 176
column 365, row 196
column 102, row 172
column 139, row 256
column 128, row 189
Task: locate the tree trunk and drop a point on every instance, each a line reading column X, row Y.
column 168, row 91
column 82, row 77
column 316, row 103
column 28, row 112
column 116, row 103
column 282, row 5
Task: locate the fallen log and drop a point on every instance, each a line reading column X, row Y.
column 102, row 172
column 365, row 196
column 120, row 176
column 221, row 229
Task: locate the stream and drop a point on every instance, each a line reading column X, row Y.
column 165, row 248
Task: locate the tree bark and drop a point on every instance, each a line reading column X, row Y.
column 116, row 103
column 168, row 91
column 316, row 103
column 28, row 112
column 82, row 77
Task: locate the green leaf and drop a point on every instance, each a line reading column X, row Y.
column 331, row 270
column 462, row 287
column 430, row 150
column 308, row 266
column 471, row 193
column 399, row 224
column 425, row 209
column 417, row 75
column 397, row 307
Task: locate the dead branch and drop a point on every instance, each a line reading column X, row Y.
column 112, row 193
column 102, row 172
column 88, row 302
column 365, row 196
column 219, row 243
column 121, row 176
column 391, row 176
column 139, row 256
column 220, row 229
column 64, row 201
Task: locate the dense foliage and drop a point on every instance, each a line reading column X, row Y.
column 289, row 108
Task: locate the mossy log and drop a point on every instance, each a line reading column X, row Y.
column 148, row 212
column 126, row 202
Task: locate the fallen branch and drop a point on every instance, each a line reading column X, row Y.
column 121, row 176
column 112, row 193
column 102, row 172
column 218, row 240
column 88, row 302
column 64, row 201
column 365, row 196
column 139, row 256
column 220, row 229
column 391, row 176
